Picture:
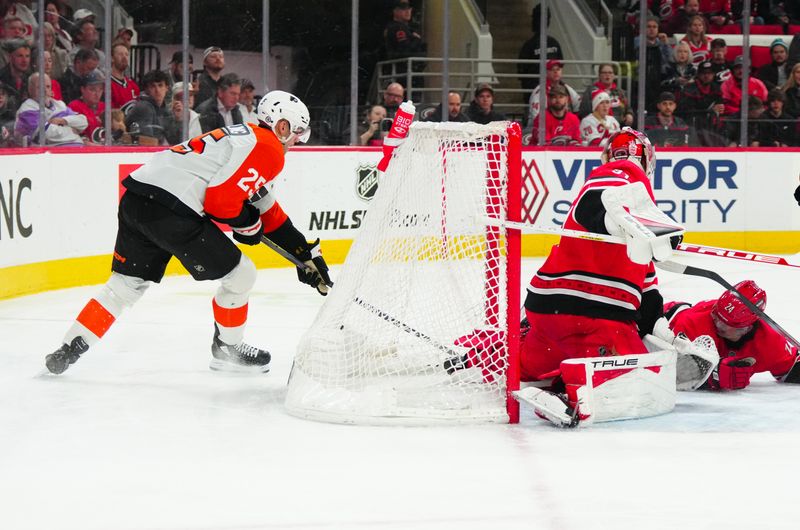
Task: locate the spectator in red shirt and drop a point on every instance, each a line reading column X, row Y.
column 732, row 88
column 89, row 104
column 562, row 127
column 123, row 88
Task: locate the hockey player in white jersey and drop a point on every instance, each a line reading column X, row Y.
column 169, row 209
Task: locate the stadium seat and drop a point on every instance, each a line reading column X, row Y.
column 759, row 55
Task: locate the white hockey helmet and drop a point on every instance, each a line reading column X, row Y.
column 630, row 144
column 279, row 105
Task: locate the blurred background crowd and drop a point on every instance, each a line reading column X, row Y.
column 472, row 60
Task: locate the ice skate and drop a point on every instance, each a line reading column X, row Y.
column 238, row 358
column 58, row 361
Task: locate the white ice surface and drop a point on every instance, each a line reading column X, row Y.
column 139, row 434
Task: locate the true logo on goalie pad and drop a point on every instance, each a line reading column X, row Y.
column 615, row 363
column 366, row 182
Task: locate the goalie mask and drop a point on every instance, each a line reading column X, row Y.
column 630, row 144
column 732, row 312
column 279, row 105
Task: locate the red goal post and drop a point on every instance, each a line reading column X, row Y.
column 422, row 325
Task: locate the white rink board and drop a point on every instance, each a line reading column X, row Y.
column 63, row 205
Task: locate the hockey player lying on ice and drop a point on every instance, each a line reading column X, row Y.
column 167, row 211
column 591, row 302
column 745, row 344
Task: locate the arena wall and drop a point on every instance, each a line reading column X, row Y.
column 58, row 207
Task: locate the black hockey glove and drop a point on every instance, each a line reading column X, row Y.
column 250, row 228
column 316, row 275
column 290, row 239
column 797, row 195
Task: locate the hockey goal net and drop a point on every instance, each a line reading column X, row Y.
column 422, row 325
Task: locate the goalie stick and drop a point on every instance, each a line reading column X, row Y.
column 680, row 268
column 687, row 248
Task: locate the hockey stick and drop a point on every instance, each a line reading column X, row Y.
column 288, row 255
column 457, row 359
column 687, row 248
column 680, row 268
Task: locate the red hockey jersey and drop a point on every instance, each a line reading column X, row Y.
column 770, row 350
column 593, row 278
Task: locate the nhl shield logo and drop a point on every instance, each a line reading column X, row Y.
column 366, row 181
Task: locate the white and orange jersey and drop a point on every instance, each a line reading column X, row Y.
column 593, row 278
column 594, row 131
column 215, row 173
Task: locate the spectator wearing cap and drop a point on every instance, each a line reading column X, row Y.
column 85, row 36
column 530, row 53
column 732, row 88
column 22, row 9
column 392, row 98
column 15, row 73
column 555, row 69
column 223, row 109
column 89, row 104
column 147, row 117
column 775, row 73
column 453, row 110
column 561, row 127
column 719, row 61
column 755, row 124
column 83, row 14
column 174, row 124
column 791, row 88
column 7, row 116
column 124, row 36
column 666, row 129
column 123, row 88
column 247, row 102
column 680, row 72
column 62, row 125
column 598, row 125
column 700, row 105
column 778, row 129
column 213, row 64
column 606, row 80
column 175, row 71
column 13, row 31
column 481, row 109
column 84, row 62
column 658, row 55
column 403, row 40
column 53, row 17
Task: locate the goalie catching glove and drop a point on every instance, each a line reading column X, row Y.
column 315, row 272
column 649, row 233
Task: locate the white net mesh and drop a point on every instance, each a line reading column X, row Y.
column 414, row 329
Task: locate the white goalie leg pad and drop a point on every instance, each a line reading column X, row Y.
column 621, row 387
column 117, row 294
column 549, row 406
column 234, row 292
column 696, row 359
column 632, row 214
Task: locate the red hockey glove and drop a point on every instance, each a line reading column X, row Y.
column 733, row 373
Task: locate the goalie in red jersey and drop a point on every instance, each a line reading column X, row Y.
column 169, row 209
column 745, row 344
column 591, row 301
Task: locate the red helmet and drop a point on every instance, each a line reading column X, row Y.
column 732, row 311
column 630, row 144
